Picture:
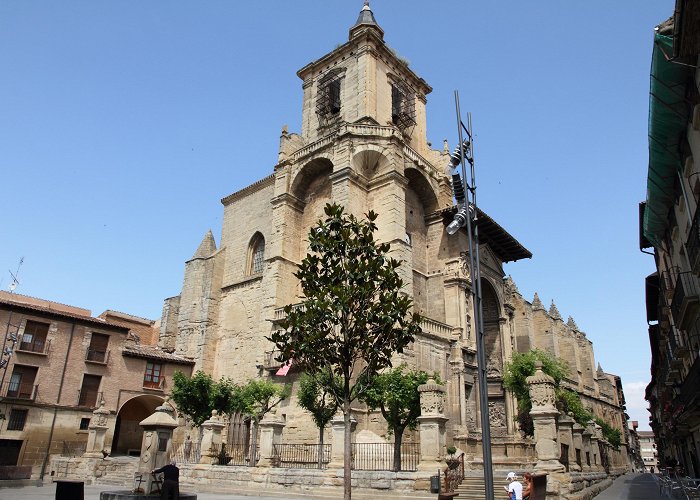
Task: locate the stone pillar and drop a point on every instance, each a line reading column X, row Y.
column 270, row 434
column 577, row 433
column 566, row 424
column 211, row 439
column 587, row 452
column 157, row 441
column 544, row 415
column 431, row 426
column 596, row 437
column 338, row 439
column 98, row 429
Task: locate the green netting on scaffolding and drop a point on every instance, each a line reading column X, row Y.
column 668, row 118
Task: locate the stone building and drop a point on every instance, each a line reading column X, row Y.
column 670, row 226
column 59, row 365
column 363, row 144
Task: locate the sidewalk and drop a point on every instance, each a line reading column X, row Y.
column 632, row 487
column 48, row 492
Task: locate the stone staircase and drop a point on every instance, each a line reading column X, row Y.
column 473, row 487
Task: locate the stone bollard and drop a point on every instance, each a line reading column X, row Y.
column 587, row 453
column 338, row 440
column 544, row 415
column 579, row 452
column 596, row 437
column 211, row 439
column 97, row 431
column 431, row 425
column 270, row 434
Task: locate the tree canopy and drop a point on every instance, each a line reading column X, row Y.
column 354, row 314
column 197, row 396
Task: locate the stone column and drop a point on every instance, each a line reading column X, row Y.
column 587, row 452
column 577, row 433
column 596, row 436
column 211, row 439
column 98, row 429
column 544, row 415
column 431, row 426
column 270, row 434
column 566, row 424
column 338, row 439
column 157, row 441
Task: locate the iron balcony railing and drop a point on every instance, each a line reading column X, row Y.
column 270, row 363
column 89, row 398
column 19, row 390
column 37, row 346
column 692, row 245
column 96, row 356
column 685, row 295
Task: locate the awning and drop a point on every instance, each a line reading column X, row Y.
column 668, row 118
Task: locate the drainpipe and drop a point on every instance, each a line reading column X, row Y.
column 58, row 401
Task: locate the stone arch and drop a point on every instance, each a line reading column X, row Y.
column 313, row 187
column 255, row 260
column 491, row 309
column 127, row 431
column 318, row 167
column 369, row 160
column 422, row 187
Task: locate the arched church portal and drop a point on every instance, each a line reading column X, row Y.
column 127, row 431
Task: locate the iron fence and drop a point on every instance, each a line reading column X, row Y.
column 73, row 448
column 186, row 453
column 301, row 456
column 454, row 473
column 380, row 456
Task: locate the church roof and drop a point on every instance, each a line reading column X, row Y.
column 366, row 18
column 490, row 232
column 154, row 353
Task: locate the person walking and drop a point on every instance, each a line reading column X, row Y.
column 171, row 481
column 514, row 488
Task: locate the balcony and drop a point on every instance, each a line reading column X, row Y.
column 36, row 346
column 89, row 398
column 270, row 363
column 692, row 245
column 685, row 299
column 97, row 356
column 154, row 384
column 279, row 312
column 22, row 390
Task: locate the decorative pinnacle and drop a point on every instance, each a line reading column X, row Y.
column 572, row 324
column 554, row 312
column 537, row 303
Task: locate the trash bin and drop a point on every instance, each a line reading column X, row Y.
column 435, row 484
column 69, row 490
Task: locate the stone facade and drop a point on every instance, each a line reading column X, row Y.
column 363, row 144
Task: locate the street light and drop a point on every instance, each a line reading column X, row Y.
column 466, row 217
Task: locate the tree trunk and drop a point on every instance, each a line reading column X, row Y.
column 347, row 453
column 398, row 433
column 320, row 447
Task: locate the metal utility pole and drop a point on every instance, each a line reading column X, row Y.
column 465, row 194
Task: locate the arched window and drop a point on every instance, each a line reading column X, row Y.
column 256, row 254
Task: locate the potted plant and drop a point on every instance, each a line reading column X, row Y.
column 451, row 459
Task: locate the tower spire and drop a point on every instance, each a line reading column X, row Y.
column 366, row 20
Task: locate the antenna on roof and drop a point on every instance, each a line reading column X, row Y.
column 15, row 280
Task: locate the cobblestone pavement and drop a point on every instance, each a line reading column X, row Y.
column 633, row 487
column 48, row 492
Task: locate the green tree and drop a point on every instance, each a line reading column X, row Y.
column 395, row 393
column 197, row 396
column 255, row 399
column 515, row 373
column 317, row 396
column 354, row 315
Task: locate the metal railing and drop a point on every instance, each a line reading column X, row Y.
column 89, row 398
column 454, row 474
column 38, row 346
column 96, row 356
column 270, row 363
column 233, row 454
column 380, row 456
column 186, row 453
column 73, row 448
column 687, row 289
column 19, row 390
column 301, row 456
column 154, row 384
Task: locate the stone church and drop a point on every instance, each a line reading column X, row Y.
column 363, row 144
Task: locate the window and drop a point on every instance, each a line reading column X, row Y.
column 256, row 259
column 21, row 383
column 17, row 419
column 84, row 424
column 97, row 351
column 328, row 100
column 34, row 336
column 163, row 441
column 89, row 390
column 403, row 110
column 152, row 378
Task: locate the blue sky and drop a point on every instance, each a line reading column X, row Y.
column 123, row 124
